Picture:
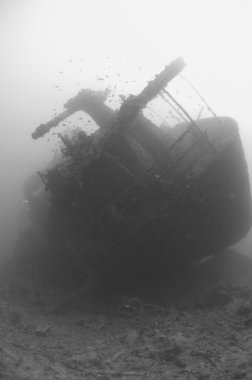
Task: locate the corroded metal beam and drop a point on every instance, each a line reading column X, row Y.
column 130, row 108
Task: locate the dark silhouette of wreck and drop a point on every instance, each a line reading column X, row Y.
column 134, row 201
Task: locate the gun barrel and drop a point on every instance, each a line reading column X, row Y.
column 42, row 129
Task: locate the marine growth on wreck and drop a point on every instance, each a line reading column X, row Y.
column 135, row 199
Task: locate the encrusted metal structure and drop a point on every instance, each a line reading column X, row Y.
column 133, row 199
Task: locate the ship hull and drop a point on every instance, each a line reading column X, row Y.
column 168, row 217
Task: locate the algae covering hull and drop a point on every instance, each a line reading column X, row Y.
column 167, row 215
column 135, row 197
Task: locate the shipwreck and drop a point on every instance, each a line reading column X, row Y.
column 133, row 199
